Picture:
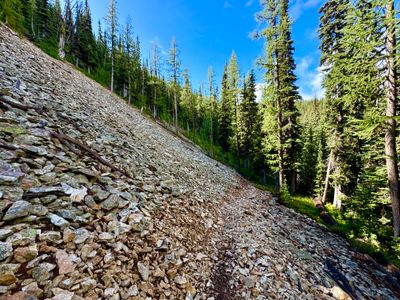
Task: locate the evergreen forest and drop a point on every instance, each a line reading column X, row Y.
column 340, row 151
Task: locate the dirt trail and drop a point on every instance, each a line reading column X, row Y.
column 268, row 251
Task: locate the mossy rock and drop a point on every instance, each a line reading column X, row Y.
column 5, row 92
column 12, row 129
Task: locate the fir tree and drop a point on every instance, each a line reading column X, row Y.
column 11, row 14
column 112, row 23
column 174, row 64
column 226, row 112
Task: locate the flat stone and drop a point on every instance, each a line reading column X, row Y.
column 5, row 233
column 42, row 272
column 111, row 202
column 22, row 238
column 39, row 210
column 88, row 284
column 50, row 236
column 6, row 250
column 133, row 291
column 64, row 262
column 19, row 209
column 68, row 235
column 58, row 221
column 81, row 235
column 38, row 192
column 143, row 271
column 7, row 278
column 181, row 280
column 106, row 236
column 60, row 294
column 25, row 254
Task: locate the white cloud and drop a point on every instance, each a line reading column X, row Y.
column 299, row 6
column 309, row 78
column 312, row 3
column 259, row 91
column 311, row 33
column 249, row 3
column 227, row 4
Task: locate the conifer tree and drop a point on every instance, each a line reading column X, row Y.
column 31, row 14
column 130, row 55
column 112, row 23
column 226, row 112
column 250, row 123
column 234, row 94
column 11, row 13
column 280, row 112
column 391, row 105
column 332, row 21
column 212, row 104
column 174, row 64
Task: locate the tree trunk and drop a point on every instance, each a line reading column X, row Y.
column 61, row 45
column 175, row 109
column 112, row 71
column 155, row 101
column 129, row 87
column 390, row 137
column 212, row 128
column 328, row 174
column 33, row 26
column 337, row 200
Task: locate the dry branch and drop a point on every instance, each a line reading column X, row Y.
column 65, row 139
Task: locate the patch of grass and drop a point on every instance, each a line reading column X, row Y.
column 301, row 204
column 347, row 228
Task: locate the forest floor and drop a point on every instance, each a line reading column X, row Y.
column 267, row 251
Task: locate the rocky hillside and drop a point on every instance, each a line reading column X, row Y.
column 99, row 202
column 96, row 201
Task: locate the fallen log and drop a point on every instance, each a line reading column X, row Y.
column 67, row 140
column 19, row 105
column 323, row 214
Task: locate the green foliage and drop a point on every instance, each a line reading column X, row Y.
column 282, row 135
column 11, row 14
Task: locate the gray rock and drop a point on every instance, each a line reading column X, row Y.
column 143, row 271
column 111, row 202
column 42, row 271
column 5, row 233
column 81, row 235
column 9, row 175
column 19, row 209
column 58, row 221
column 106, row 236
column 67, row 214
column 6, row 250
column 99, row 193
column 88, row 284
column 23, row 238
column 89, row 201
column 51, row 236
column 39, row 210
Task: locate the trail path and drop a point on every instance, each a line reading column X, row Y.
column 267, row 251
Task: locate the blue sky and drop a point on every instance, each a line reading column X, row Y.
column 208, row 31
